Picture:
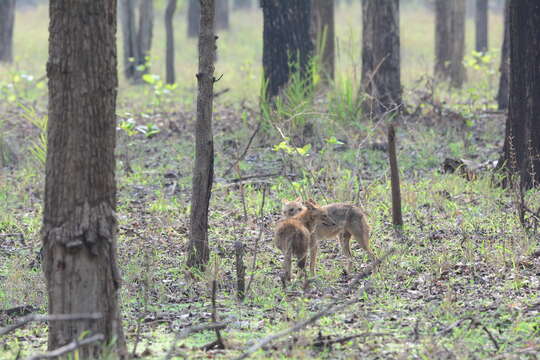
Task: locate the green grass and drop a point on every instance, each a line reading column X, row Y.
column 462, row 252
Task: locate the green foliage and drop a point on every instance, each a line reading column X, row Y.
column 38, row 149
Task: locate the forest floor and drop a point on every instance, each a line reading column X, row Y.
column 460, row 281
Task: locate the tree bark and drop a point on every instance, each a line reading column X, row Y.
column 482, row 20
column 381, row 70
column 521, row 151
column 170, row 77
column 222, row 15
column 7, row 23
column 286, row 42
column 504, row 82
column 79, row 230
column 203, row 169
column 323, row 34
column 450, row 41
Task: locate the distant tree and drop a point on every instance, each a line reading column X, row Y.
column 287, row 44
column 137, row 38
column 222, row 15
column 242, row 4
column 170, row 77
column 482, row 20
column 450, row 41
column 521, row 151
column 193, row 18
column 504, row 82
column 221, row 18
column 7, row 22
column 79, row 230
column 203, row 168
column 323, row 33
column 381, row 70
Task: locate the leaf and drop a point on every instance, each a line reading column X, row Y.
column 150, row 78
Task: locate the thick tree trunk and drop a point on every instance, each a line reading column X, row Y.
column 222, row 15
column 242, row 4
column 286, row 41
column 504, row 82
column 170, row 77
column 482, row 19
column 7, row 22
column 381, row 72
column 79, row 224
column 521, row 152
column 203, row 169
column 323, row 33
column 450, row 41
column 193, row 18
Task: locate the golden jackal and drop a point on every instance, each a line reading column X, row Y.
column 293, row 236
column 347, row 220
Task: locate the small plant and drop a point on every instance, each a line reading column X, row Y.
column 38, row 149
column 160, row 88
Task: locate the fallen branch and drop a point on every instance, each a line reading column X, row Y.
column 60, row 317
column 342, row 340
column 72, row 346
column 331, row 309
column 191, row 330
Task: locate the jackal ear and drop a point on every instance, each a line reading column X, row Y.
column 298, row 199
column 311, row 202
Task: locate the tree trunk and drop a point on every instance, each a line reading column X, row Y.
column 203, row 169
column 450, row 41
column 504, row 82
column 193, row 18
column 7, row 22
column 521, row 151
column 286, row 40
column 381, row 73
column 79, row 224
column 127, row 18
column 137, row 39
column 323, row 34
column 242, row 4
column 482, row 19
column 222, row 15
column 144, row 36
column 170, row 77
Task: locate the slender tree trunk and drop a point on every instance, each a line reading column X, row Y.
column 79, row 224
column 127, row 18
column 482, row 19
column 242, row 4
column 193, row 18
column 450, row 41
column 286, row 40
column 203, row 169
column 169, row 30
column 222, row 15
column 521, row 152
column 323, row 33
column 7, row 22
column 381, row 72
column 458, row 74
column 504, row 82
column 144, row 36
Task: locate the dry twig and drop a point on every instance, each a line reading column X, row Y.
column 72, row 346
column 60, row 317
